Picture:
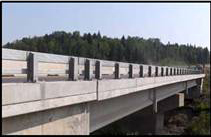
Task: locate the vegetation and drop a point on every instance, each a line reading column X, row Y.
column 201, row 125
column 130, row 49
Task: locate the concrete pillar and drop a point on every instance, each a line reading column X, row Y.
column 141, row 72
column 88, row 70
column 186, row 90
column 154, row 101
column 201, row 81
column 98, row 70
column 32, row 68
column 195, row 91
column 117, row 71
column 131, row 71
column 148, row 122
column 73, row 69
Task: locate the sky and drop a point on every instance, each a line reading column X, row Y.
column 180, row 23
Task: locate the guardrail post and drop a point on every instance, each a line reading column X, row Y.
column 32, row 68
column 73, row 69
column 141, row 71
column 170, row 71
column 174, row 71
column 98, row 66
column 156, row 71
column 162, row 71
column 131, row 71
column 149, row 71
column 88, row 70
column 117, row 71
column 166, row 71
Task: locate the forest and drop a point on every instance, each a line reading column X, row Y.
column 125, row 49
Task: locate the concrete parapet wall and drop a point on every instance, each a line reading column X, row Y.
column 19, row 93
column 20, row 97
column 118, row 87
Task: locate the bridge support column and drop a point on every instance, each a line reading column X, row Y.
column 148, row 122
column 196, row 91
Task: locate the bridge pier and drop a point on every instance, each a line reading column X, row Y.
column 146, row 121
column 195, row 91
column 153, row 123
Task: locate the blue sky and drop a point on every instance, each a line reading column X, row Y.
column 174, row 22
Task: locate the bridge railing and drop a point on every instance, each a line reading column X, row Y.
column 35, row 64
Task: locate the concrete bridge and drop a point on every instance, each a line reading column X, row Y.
column 55, row 94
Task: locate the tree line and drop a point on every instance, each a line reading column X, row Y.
column 124, row 49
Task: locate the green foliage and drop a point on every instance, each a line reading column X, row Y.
column 171, row 62
column 130, row 49
column 206, row 84
column 200, row 125
column 202, row 106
